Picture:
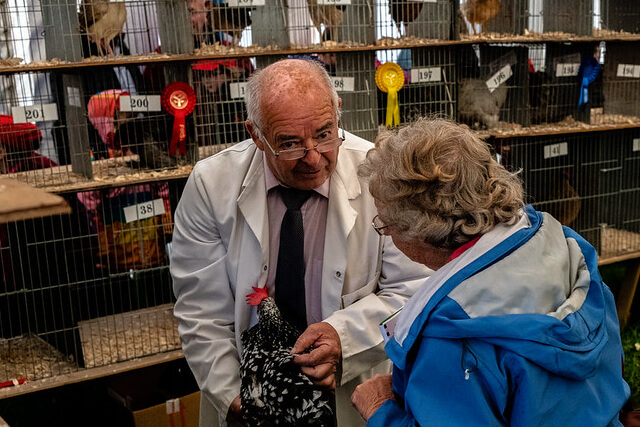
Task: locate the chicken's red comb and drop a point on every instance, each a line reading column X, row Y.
column 257, row 296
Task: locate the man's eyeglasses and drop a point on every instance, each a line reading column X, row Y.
column 300, row 152
column 379, row 225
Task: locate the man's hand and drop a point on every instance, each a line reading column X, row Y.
column 369, row 396
column 321, row 363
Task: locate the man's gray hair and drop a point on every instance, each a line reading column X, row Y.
column 256, row 86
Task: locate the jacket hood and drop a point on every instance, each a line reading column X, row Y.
column 537, row 293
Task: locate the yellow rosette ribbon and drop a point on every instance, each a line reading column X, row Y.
column 390, row 79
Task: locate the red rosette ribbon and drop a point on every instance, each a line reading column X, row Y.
column 179, row 100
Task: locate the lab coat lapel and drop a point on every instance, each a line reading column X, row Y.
column 341, row 217
column 252, row 202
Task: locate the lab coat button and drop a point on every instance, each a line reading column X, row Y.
column 338, row 274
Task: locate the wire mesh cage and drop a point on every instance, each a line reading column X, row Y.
column 498, row 17
column 621, row 16
column 430, row 83
column 629, row 230
column 53, row 30
column 91, row 288
column 588, row 182
column 86, row 124
column 621, row 81
column 413, row 20
column 557, row 89
column 493, row 86
column 220, row 113
column 299, row 23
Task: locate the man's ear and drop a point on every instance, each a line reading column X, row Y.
column 254, row 136
column 207, row 5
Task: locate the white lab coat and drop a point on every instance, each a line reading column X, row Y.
column 220, row 250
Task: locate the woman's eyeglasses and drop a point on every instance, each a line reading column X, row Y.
column 379, row 225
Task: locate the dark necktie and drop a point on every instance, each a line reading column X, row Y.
column 290, row 296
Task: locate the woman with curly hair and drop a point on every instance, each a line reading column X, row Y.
column 515, row 327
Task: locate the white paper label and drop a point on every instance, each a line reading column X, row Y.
column 73, row 96
column 143, row 210
column 246, row 3
column 344, row 84
column 237, row 89
column 139, row 103
column 556, row 150
column 636, row 144
column 500, row 77
column 628, row 70
column 173, row 406
column 35, row 113
column 425, row 75
column 567, row 70
column 334, row 2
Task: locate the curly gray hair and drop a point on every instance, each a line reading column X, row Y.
column 437, row 182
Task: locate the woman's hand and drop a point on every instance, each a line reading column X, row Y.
column 371, row 394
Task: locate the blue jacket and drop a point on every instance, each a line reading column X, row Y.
column 519, row 330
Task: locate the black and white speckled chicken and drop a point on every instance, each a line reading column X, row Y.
column 274, row 391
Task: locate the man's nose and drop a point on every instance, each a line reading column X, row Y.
column 312, row 156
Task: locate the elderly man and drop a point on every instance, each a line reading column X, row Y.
column 227, row 238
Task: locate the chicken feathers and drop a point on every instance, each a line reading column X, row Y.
column 480, row 12
column 102, row 21
column 274, row 391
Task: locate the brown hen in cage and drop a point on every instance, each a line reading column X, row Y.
column 480, row 12
column 102, row 21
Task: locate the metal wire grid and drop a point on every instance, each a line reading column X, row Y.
column 621, row 80
column 430, row 87
column 407, row 18
column 588, row 182
column 91, row 288
column 621, row 15
column 493, row 85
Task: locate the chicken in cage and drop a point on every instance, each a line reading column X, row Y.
column 492, row 86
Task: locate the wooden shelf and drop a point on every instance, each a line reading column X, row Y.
column 90, row 374
column 226, row 52
column 19, row 201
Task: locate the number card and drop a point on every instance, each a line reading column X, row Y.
column 246, row 3
column 499, row 78
column 567, row 70
column 143, row 210
column 237, row 90
column 140, row 103
column 556, row 150
column 628, row 70
column 636, row 144
column 344, row 84
column 35, row 113
column 426, row 75
column 334, row 2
